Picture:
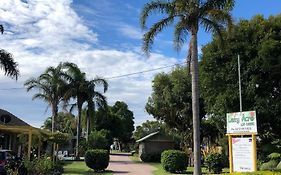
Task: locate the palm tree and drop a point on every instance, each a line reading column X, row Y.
column 51, row 86
column 7, row 62
column 189, row 15
column 94, row 98
column 76, row 89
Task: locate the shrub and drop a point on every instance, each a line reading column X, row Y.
column 43, row 166
column 270, row 165
column 274, row 156
column 174, row 161
column 215, row 162
column 151, row 157
column 97, row 159
column 99, row 140
column 279, row 166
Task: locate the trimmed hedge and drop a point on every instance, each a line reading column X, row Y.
column 97, row 159
column 174, row 161
column 215, row 162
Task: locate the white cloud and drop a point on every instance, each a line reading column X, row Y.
column 44, row 33
column 130, row 31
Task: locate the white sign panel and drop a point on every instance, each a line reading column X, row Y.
column 242, row 154
column 241, row 122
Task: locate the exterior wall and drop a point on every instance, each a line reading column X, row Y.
column 157, row 146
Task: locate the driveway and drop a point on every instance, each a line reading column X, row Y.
column 122, row 164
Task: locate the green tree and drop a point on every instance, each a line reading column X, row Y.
column 120, row 109
column 258, row 43
column 147, row 128
column 50, row 85
column 189, row 15
column 117, row 119
column 65, row 123
column 171, row 102
column 7, row 62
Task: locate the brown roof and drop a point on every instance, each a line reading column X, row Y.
column 9, row 119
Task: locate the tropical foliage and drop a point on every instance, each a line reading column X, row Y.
column 7, row 62
column 188, row 16
column 51, row 85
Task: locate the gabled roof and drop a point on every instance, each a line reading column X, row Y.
column 12, row 119
column 148, row 136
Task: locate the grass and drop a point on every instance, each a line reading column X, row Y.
column 135, row 158
column 160, row 171
column 79, row 167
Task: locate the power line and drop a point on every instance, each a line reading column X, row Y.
column 145, row 71
column 118, row 76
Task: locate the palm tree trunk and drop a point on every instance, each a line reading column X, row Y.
column 195, row 104
column 90, row 113
column 54, row 117
column 78, row 128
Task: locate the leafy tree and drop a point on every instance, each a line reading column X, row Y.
column 50, row 85
column 7, row 62
column 147, row 128
column 117, row 119
column 171, row 101
column 258, row 43
column 104, row 119
column 120, row 110
column 100, row 140
column 189, row 15
column 65, row 123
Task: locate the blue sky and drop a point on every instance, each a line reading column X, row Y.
column 102, row 37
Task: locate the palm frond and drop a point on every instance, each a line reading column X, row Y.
column 41, row 97
column 148, row 37
column 100, row 81
column 212, row 26
column 8, row 64
column 1, row 29
column 226, row 5
column 180, row 34
column 154, row 6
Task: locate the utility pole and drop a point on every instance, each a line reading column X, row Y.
column 239, row 76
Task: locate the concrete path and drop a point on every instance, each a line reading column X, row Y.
column 122, row 164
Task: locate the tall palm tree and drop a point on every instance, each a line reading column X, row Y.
column 189, row 15
column 50, row 85
column 7, row 62
column 94, row 98
column 76, row 89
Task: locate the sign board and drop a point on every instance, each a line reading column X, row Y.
column 242, row 151
column 241, row 122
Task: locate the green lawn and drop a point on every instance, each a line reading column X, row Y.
column 79, row 167
column 161, row 171
column 135, row 158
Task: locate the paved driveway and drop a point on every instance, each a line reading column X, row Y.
column 122, row 164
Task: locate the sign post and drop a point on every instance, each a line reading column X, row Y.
column 242, row 151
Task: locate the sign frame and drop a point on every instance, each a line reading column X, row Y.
column 241, row 122
column 242, row 134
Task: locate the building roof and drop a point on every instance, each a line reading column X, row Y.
column 8, row 119
column 148, row 136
